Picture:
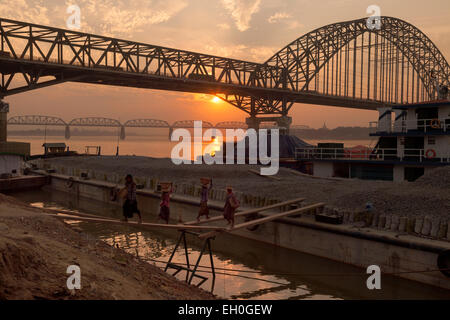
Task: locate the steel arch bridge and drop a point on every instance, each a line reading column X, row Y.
column 395, row 64
column 345, row 64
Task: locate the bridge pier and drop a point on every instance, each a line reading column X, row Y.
column 283, row 122
column 122, row 133
column 4, row 109
column 67, row 133
column 253, row 122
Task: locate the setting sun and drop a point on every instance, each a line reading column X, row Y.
column 215, row 99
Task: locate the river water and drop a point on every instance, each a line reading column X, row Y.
column 158, row 146
column 246, row 269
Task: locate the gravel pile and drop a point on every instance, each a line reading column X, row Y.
column 428, row 196
column 439, row 178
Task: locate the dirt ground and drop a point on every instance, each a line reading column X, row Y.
column 430, row 195
column 35, row 251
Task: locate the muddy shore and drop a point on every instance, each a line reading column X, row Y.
column 35, row 251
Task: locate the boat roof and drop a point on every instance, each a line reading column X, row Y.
column 54, row 145
column 428, row 104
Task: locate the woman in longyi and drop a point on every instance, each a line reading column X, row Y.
column 231, row 204
column 164, row 210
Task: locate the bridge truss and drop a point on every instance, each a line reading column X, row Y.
column 41, row 120
column 37, row 120
column 344, row 64
column 395, row 64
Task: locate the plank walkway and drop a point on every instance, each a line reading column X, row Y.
column 263, row 220
column 246, row 212
column 135, row 224
column 209, row 231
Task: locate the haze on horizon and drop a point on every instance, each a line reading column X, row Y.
column 244, row 29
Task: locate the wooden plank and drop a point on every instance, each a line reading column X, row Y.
column 276, row 216
column 250, row 211
column 264, row 220
column 73, row 213
column 135, row 224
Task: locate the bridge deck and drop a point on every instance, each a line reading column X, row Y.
column 67, row 55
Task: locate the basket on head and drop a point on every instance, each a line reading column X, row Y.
column 205, row 181
column 166, row 186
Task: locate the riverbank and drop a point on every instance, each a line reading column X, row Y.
column 428, row 196
column 408, row 247
column 36, row 250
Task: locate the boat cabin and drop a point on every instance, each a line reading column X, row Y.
column 412, row 139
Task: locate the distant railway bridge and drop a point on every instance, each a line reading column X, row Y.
column 49, row 121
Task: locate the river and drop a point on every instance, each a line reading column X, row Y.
column 158, row 146
column 246, row 269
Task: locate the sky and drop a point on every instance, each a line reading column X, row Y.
column 244, row 29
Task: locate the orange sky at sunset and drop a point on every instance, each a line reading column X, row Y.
column 251, row 30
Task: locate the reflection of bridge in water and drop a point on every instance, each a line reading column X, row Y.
column 40, row 120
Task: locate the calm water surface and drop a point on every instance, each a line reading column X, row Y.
column 158, row 146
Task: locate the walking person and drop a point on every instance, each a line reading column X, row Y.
column 130, row 205
column 231, row 204
column 164, row 210
column 206, row 187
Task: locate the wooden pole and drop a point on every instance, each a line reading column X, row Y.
column 72, row 213
column 277, row 216
column 135, row 224
column 264, row 220
column 243, row 213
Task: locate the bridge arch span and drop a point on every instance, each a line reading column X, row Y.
column 397, row 63
column 231, row 125
column 189, row 124
column 146, row 123
column 36, row 120
column 95, row 122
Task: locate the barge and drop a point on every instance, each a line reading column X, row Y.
column 412, row 139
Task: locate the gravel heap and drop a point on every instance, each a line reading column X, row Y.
column 428, row 196
column 438, row 178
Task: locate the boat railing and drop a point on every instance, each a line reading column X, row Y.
column 404, row 126
column 373, row 154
